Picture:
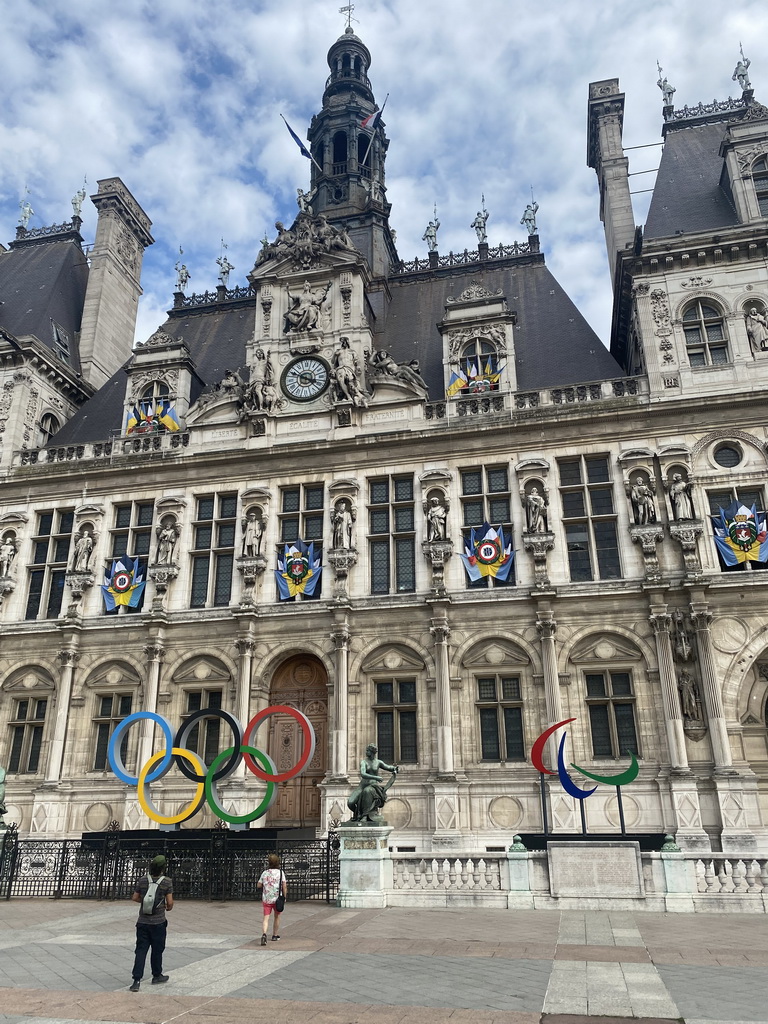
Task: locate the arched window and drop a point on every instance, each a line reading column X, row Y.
column 346, row 63
column 49, row 425
column 480, row 365
column 151, row 405
column 340, row 153
column 705, row 337
column 760, row 178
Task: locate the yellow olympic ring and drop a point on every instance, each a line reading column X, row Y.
column 145, row 801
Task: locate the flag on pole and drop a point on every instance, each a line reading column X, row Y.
column 302, row 148
column 370, row 123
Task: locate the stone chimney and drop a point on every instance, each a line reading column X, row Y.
column 605, row 153
column 112, row 295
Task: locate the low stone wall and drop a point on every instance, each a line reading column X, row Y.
column 614, row 876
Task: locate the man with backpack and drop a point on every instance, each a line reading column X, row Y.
column 155, row 894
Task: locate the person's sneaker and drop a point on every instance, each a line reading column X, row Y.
column 159, row 979
column 263, row 940
column 135, row 986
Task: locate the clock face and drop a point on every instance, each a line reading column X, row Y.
column 305, row 378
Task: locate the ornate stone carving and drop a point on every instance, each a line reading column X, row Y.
column 437, row 552
column 546, row 626
column 689, row 696
column 682, row 642
column 441, row 632
column 347, row 376
column 382, row 368
column 535, row 500
column 305, row 307
column 251, row 568
column 660, row 623
column 495, row 333
column 686, row 534
column 340, row 637
column 648, row 536
column 680, row 493
column 341, row 561
column 538, row 544
column 245, row 645
column 475, row 291
column 436, row 514
column 308, row 239
column 68, row 658
column 168, row 532
column 640, row 489
column 8, row 551
column 162, row 576
column 154, row 651
column 161, row 337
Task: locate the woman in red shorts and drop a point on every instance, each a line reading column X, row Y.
column 273, row 884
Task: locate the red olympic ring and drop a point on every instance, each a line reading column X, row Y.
column 538, row 747
column 309, row 743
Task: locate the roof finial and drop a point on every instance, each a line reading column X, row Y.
column 348, row 12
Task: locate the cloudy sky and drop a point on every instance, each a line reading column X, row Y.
column 181, row 99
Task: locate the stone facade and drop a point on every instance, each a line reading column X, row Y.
column 617, row 612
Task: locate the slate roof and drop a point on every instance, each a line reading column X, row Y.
column 688, row 195
column 554, row 345
column 40, row 283
column 216, row 340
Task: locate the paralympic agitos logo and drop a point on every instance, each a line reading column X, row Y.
column 191, row 765
column 570, row 787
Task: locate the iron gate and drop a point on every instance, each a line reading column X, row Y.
column 214, row 867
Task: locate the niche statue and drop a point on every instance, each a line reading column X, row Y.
column 366, row 801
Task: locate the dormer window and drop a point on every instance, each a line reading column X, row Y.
column 153, row 412
column 705, row 337
column 60, row 342
column 49, row 425
column 480, row 365
column 760, row 178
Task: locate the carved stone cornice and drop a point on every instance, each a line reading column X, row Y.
column 163, row 575
column 341, row 560
column 437, row 552
column 686, row 532
column 251, row 568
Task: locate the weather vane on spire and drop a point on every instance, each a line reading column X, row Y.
column 348, row 12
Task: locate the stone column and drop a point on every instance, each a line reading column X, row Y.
column 155, row 653
column 721, row 747
column 245, row 645
column 546, row 627
column 68, row 660
column 661, row 623
column 340, row 637
column 441, row 632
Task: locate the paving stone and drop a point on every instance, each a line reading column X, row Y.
column 717, row 993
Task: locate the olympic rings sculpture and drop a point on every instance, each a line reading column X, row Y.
column 191, row 765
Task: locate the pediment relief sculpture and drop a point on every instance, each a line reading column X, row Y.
column 201, row 670
column 384, row 369
column 306, row 242
column 493, row 654
column 114, row 674
column 31, row 677
column 392, row 658
column 604, row 648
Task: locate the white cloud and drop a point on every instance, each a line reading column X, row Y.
column 182, row 99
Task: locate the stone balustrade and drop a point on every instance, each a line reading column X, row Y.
column 722, row 875
column 115, row 448
column 462, row 873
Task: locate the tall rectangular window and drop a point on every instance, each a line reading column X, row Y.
column 395, row 711
column 50, row 554
column 131, row 536
column 723, row 498
column 500, row 712
column 111, row 709
column 213, row 550
column 26, row 728
column 302, row 511
column 204, row 737
column 589, row 518
column 611, row 704
column 392, row 535
column 485, row 498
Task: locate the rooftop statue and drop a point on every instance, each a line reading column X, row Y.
column 26, row 212
column 77, row 201
column 481, row 219
column 529, row 217
column 225, row 269
column 740, row 73
column 182, row 276
column 366, row 801
column 667, row 90
column 430, row 235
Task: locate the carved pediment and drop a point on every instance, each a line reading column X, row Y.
column 635, row 453
column 435, row 476
column 112, row 675
column 603, row 648
column 256, row 494
column 31, row 677
column 201, row 671
column 392, row 658
column 13, row 518
column 677, row 450
column 89, row 510
column 750, row 720
column 494, row 653
column 171, row 503
column 344, row 486
column 531, row 465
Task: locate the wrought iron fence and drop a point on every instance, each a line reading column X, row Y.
column 219, row 866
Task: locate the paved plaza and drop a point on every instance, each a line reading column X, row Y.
column 66, row 961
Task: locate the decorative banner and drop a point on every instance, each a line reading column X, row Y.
column 487, row 553
column 298, row 571
column 537, row 750
column 224, row 764
column 125, row 585
column 475, row 381
column 740, row 534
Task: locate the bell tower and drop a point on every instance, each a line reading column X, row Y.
column 347, row 141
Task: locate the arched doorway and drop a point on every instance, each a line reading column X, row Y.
column 302, row 683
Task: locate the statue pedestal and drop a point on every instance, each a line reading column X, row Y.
column 365, row 865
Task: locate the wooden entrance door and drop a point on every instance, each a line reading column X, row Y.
column 300, row 683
